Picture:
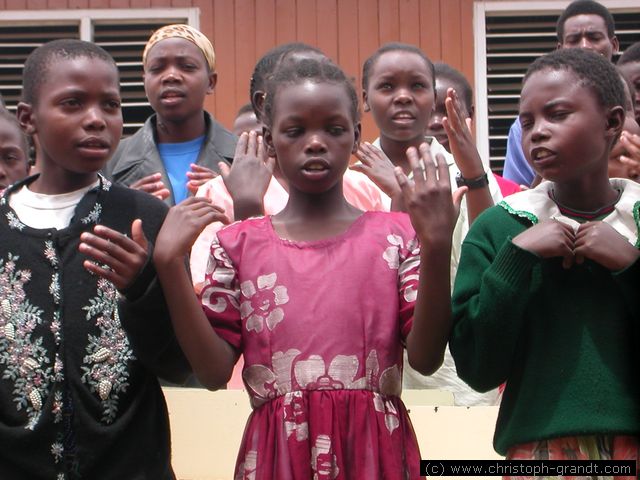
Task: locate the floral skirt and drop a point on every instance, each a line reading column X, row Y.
column 592, row 447
column 329, row 434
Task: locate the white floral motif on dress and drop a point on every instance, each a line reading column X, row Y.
column 323, row 460
column 25, row 359
column 391, row 419
column 220, row 268
column 262, row 304
column 247, row 469
column 105, row 367
column 295, row 416
column 396, row 261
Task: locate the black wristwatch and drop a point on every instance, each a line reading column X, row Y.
column 472, row 183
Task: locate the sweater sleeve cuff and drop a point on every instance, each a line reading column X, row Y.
column 513, row 264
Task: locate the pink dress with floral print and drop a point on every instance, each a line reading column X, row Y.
column 321, row 325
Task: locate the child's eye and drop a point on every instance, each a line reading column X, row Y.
column 293, row 132
column 336, row 130
column 419, row 85
column 189, row 67
column 113, row 104
column 525, row 124
column 560, row 115
column 385, row 86
column 70, row 102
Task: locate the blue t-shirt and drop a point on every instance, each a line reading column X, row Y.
column 177, row 159
column 516, row 167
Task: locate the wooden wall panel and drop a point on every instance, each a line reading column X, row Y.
column 245, row 48
column 410, row 21
column 98, row 3
column 348, row 31
column 327, row 27
column 265, row 26
column 285, row 21
column 389, row 19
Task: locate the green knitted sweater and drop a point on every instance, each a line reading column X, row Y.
column 566, row 342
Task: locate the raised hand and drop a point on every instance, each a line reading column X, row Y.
column 548, row 240
column 630, row 156
column 152, row 184
column 248, row 177
column 182, row 226
column 198, row 176
column 428, row 199
column 461, row 141
column 124, row 257
column 377, row 166
column 601, row 243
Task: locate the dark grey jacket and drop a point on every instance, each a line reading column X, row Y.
column 138, row 156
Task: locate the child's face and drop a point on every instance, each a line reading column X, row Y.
column 400, row 95
column 566, row 134
column 435, row 128
column 177, row 79
column 313, row 134
column 589, row 31
column 631, row 72
column 14, row 165
column 77, row 117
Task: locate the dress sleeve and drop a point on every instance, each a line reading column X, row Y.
column 215, row 191
column 220, row 296
column 408, row 277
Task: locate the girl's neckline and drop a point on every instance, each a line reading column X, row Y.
column 585, row 215
column 322, row 242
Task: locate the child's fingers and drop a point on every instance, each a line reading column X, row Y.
column 119, row 282
column 252, row 144
column 429, row 165
column 148, row 180
column 241, row 146
column 443, row 171
column 138, row 236
column 416, row 167
column 632, row 162
column 457, row 197
column 224, row 169
column 104, row 256
column 260, row 150
column 403, row 182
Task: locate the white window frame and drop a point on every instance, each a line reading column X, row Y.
column 480, row 10
column 87, row 17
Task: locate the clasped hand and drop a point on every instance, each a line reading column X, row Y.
column 597, row 241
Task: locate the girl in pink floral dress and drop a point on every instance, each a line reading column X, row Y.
column 320, row 298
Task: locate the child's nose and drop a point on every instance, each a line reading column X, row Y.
column 403, row 95
column 171, row 74
column 94, row 118
column 316, row 144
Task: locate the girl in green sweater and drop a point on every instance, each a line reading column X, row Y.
column 546, row 296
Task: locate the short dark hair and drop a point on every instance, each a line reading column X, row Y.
column 630, row 55
column 592, row 70
column 39, row 61
column 585, row 7
column 316, row 71
column 454, row 76
column 246, row 108
column 269, row 62
column 393, row 47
